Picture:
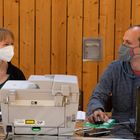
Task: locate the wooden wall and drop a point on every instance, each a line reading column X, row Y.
column 49, row 33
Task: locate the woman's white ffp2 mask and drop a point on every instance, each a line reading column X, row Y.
column 7, row 53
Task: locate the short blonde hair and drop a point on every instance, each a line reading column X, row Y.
column 4, row 33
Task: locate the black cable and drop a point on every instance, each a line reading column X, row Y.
column 6, row 136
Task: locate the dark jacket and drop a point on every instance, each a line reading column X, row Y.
column 119, row 80
column 14, row 73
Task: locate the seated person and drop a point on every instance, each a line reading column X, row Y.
column 7, row 70
column 120, row 79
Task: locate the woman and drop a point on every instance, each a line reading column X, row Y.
column 7, row 70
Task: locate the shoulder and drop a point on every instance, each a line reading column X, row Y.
column 116, row 64
column 113, row 68
column 15, row 72
column 12, row 68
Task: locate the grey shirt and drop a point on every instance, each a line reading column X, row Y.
column 119, row 80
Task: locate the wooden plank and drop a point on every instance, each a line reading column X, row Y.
column 1, row 13
column 123, row 21
column 74, row 39
column 58, row 48
column 90, row 29
column 11, row 22
column 91, row 8
column 43, row 28
column 136, row 12
column 27, row 36
column 107, row 14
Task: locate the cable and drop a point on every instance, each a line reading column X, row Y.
column 6, row 136
column 127, row 122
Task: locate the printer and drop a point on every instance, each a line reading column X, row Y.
column 43, row 104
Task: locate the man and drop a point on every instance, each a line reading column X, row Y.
column 121, row 79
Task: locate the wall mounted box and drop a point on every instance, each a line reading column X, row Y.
column 92, row 49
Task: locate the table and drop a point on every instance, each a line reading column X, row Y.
column 58, row 138
column 45, row 137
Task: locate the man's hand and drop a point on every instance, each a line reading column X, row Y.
column 96, row 116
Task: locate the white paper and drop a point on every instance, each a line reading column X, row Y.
column 81, row 115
